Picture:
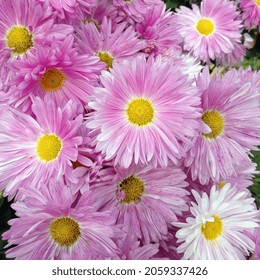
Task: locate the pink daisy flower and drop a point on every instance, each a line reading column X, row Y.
column 158, row 29
column 144, row 200
column 88, row 164
column 215, row 228
column 95, row 14
column 235, row 57
column 24, row 26
column 109, row 45
column 209, row 30
column 34, row 150
column 226, row 139
column 250, row 12
column 150, row 106
column 132, row 11
column 250, row 76
column 68, row 8
column 48, row 226
column 57, row 71
column 132, row 249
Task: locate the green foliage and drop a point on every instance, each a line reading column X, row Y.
column 172, row 4
column 6, row 214
column 255, row 188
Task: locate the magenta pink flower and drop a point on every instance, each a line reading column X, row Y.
column 150, row 106
column 88, row 164
column 209, row 30
column 67, row 9
column 57, row 71
column 132, row 11
column 158, row 29
column 35, row 150
column 250, row 12
column 24, row 26
column 144, row 200
column 233, row 58
column 229, row 106
column 108, row 44
column 48, row 226
column 132, row 249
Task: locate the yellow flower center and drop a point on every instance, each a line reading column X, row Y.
column 215, row 121
column 257, row 3
column 140, row 111
column 106, row 58
column 49, row 147
column 52, row 80
column 205, row 26
column 91, row 20
column 133, row 189
column 212, row 230
column 65, row 231
column 19, row 39
column 221, row 185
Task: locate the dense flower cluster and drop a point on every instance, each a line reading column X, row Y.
column 117, row 139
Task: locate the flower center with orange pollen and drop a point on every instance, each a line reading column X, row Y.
column 215, row 121
column 106, row 58
column 133, row 189
column 205, row 26
column 257, row 3
column 19, row 39
column 212, row 230
column 140, row 111
column 48, row 147
column 52, row 80
column 65, row 231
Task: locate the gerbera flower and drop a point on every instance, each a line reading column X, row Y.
column 228, row 108
column 215, row 227
column 34, row 150
column 209, row 30
column 108, row 45
column 250, row 12
column 150, row 106
column 49, row 227
column 57, row 71
column 144, row 200
column 24, row 26
column 158, row 29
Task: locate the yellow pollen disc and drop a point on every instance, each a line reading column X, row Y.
column 65, row 231
column 215, row 121
column 52, row 80
column 107, row 58
column 205, row 26
column 212, row 230
column 257, row 3
column 133, row 188
column 19, row 39
column 221, row 185
column 48, row 147
column 91, row 20
column 140, row 111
